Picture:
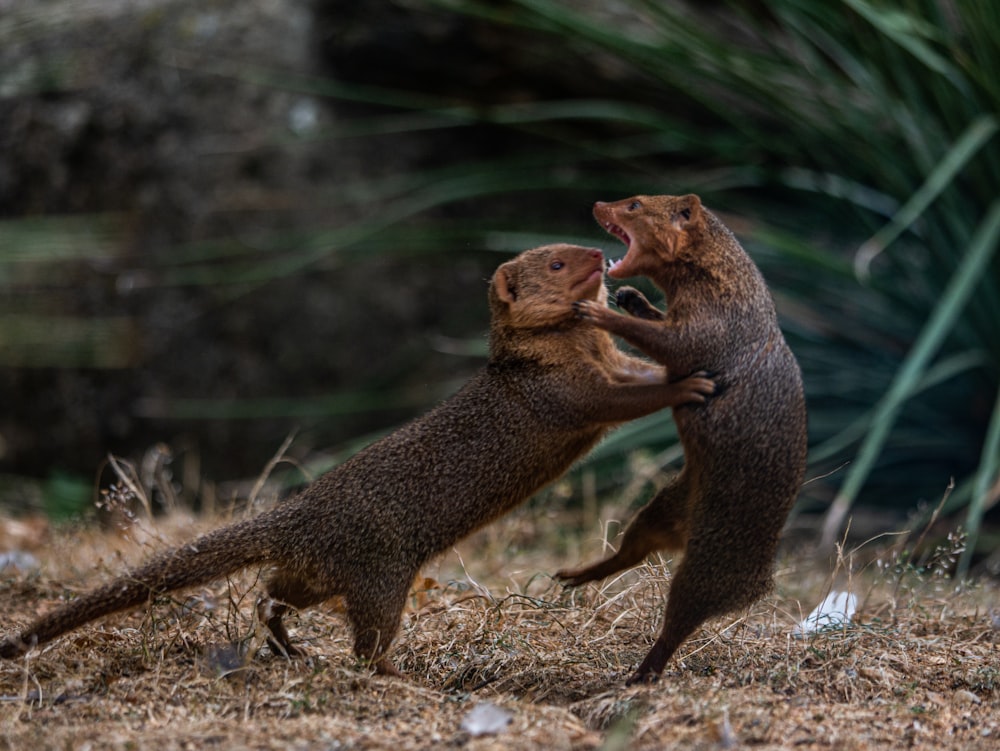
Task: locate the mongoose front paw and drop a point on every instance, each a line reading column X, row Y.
column 699, row 388
column 587, row 310
column 633, row 302
column 626, row 296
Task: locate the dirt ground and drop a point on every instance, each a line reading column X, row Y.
column 917, row 668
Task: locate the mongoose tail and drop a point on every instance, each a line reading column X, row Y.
column 212, row 556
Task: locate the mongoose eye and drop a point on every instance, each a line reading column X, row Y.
column 634, row 205
column 556, row 265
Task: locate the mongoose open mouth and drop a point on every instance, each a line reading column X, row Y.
column 613, row 229
column 618, row 232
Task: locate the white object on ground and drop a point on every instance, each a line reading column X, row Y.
column 486, row 719
column 19, row 560
column 835, row 611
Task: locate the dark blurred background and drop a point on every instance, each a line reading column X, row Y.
column 227, row 223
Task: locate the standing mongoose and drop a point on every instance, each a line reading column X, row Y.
column 745, row 450
column 551, row 388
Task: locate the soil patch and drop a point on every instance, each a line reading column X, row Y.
column 917, row 667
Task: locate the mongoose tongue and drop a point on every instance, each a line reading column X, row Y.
column 623, row 267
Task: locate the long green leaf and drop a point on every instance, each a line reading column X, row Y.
column 942, row 319
column 986, row 475
column 910, row 33
column 933, row 376
column 977, row 135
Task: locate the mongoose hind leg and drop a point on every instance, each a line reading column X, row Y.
column 633, row 302
column 662, row 524
column 709, row 582
column 270, row 612
column 375, row 613
column 687, row 609
column 287, row 591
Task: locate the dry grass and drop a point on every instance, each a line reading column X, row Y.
column 919, row 667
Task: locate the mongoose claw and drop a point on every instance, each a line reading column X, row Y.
column 573, row 577
column 287, row 651
column 566, row 578
column 642, row 678
column 386, row 668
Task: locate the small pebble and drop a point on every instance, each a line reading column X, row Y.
column 966, row 697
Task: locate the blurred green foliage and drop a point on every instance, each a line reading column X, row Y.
column 39, row 258
column 834, row 123
column 852, row 145
column 856, row 142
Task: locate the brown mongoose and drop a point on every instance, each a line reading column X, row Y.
column 745, row 450
column 551, row 388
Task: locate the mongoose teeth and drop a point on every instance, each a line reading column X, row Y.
column 614, row 229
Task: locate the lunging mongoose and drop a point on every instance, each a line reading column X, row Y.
column 551, row 388
column 745, row 450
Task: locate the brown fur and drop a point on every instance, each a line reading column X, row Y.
column 552, row 387
column 744, row 451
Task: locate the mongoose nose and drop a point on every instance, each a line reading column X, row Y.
column 598, row 204
column 596, row 254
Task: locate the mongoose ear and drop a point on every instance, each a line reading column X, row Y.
column 503, row 283
column 688, row 212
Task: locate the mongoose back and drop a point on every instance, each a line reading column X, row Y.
column 552, row 386
column 745, row 450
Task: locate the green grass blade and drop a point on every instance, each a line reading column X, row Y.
column 50, row 340
column 911, row 34
column 59, row 238
column 986, row 475
column 942, row 319
column 977, row 135
column 938, row 373
column 303, row 408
